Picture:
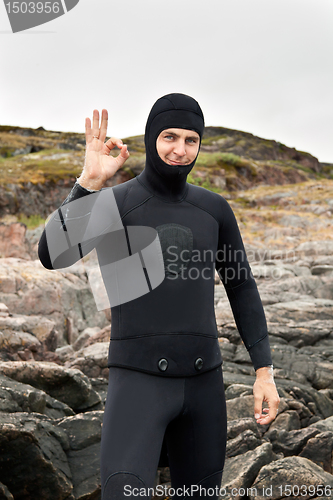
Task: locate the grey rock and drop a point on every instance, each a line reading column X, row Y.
column 288, row 420
column 84, row 336
column 40, row 327
column 91, row 360
column 83, row 429
column 33, row 463
column 319, row 450
column 65, row 352
column 290, row 442
column 299, row 335
column 57, row 409
column 321, row 269
column 314, row 368
column 5, row 494
column 301, row 309
column 85, row 467
column 241, row 407
column 314, row 248
column 18, row 397
column 64, row 298
column 240, row 472
column 236, row 427
column 247, row 440
column 100, row 385
column 238, row 390
column 294, row 471
column 70, row 386
column 324, row 425
column 227, row 350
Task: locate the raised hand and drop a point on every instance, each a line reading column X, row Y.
column 99, row 166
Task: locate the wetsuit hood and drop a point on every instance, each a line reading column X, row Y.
column 170, row 111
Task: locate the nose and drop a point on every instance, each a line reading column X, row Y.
column 179, row 148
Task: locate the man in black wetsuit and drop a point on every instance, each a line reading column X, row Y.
column 165, row 380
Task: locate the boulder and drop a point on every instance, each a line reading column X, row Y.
column 296, row 477
column 18, row 397
column 319, row 450
column 13, row 242
column 33, row 463
column 64, row 298
column 240, row 471
column 70, row 386
column 91, row 360
column 5, row 494
column 290, row 442
column 84, row 436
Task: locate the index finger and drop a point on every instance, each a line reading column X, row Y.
column 88, row 130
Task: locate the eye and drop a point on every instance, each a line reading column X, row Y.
column 168, row 137
column 192, row 141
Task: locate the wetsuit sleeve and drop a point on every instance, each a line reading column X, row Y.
column 235, row 272
column 61, row 243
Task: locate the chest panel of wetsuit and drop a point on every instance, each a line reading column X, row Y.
column 177, row 245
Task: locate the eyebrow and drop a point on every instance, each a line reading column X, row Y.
column 176, row 135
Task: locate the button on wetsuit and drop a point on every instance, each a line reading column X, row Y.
column 165, row 378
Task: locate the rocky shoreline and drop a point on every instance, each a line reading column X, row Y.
column 53, row 382
column 54, row 343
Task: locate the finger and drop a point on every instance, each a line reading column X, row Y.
column 104, row 125
column 257, row 406
column 88, row 131
column 95, row 127
column 111, row 143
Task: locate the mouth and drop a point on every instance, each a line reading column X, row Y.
column 173, row 162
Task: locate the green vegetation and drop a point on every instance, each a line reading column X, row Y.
column 202, row 182
column 31, row 222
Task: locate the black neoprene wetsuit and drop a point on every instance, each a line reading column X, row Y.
column 164, row 358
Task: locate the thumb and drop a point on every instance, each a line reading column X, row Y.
column 123, row 155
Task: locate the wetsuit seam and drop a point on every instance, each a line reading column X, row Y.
column 204, row 210
column 259, row 340
column 136, row 206
column 236, row 286
column 209, row 475
column 122, row 472
column 157, row 374
column 248, row 346
column 165, row 333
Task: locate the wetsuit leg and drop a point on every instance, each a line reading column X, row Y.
column 141, row 409
column 196, row 439
column 138, row 408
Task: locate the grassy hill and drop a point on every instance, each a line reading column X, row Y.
column 263, row 180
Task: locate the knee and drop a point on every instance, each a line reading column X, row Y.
column 209, row 486
column 124, row 485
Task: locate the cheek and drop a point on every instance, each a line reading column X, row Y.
column 162, row 149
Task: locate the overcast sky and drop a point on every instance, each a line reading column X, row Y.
column 262, row 66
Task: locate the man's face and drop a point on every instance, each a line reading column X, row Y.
column 178, row 146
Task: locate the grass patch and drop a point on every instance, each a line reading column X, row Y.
column 31, row 222
column 202, row 182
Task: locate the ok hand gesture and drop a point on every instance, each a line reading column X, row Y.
column 99, row 166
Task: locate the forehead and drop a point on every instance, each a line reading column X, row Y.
column 181, row 132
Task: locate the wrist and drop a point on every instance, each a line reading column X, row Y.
column 264, row 372
column 90, row 184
